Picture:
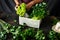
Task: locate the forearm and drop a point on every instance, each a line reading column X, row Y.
column 30, row 4
column 16, row 1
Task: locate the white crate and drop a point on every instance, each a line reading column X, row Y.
column 29, row 22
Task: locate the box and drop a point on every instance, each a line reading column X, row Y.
column 29, row 22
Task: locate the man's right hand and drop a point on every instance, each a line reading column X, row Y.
column 17, row 3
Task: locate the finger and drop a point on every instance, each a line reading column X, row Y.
column 17, row 2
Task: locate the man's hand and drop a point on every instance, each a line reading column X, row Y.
column 33, row 2
column 16, row 2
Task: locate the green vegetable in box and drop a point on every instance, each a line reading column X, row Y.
column 21, row 10
column 38, row 11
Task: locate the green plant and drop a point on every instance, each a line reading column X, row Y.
column 6, row 28
column 29, row 33
column 52, row 35
column 40, row 35
column 3, row 35
column 39, row 11
column 19, row 33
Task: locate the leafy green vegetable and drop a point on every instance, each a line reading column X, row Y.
column 7, row 28
column 3, row 30
column 19, row 33
column 30, row 32
column 39, row 35
column 38, row 11
column 21, row 10
column 3, row 35
column 52, row 35
column 5, row 25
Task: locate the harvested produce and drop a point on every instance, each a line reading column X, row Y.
column 39, row 35
column 18, row 33
column 21, row 10
column 38, row 11
column 53, row 35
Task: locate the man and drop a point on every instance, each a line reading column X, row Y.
column 29, row 5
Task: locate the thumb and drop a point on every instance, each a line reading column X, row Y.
column 16, row 2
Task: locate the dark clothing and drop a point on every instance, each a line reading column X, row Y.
column 25, row 1
column 54, row 7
